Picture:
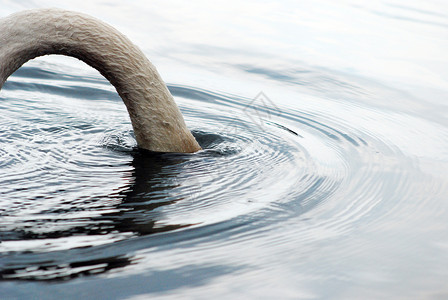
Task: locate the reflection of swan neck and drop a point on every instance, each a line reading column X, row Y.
column 156, row 119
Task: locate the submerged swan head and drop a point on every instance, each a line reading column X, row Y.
column 157, row 121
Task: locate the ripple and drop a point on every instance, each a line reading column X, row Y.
column 73, row 182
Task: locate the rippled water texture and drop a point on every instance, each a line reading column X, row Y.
column 323, row 174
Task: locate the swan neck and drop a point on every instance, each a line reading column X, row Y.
column 157, row 121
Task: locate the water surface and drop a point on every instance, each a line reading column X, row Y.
column 323, row 174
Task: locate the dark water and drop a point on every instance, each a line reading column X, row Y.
column 315, row 181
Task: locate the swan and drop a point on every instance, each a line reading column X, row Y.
column 157, row 121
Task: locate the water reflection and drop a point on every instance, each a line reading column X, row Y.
column 340, row 196
column 153, row 185
column 155, row 178
column 52, row 271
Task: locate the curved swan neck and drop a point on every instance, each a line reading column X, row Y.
column 157, row 121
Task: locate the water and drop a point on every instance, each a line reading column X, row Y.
column 323, row 174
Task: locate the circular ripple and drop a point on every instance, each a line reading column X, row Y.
column 72, row 180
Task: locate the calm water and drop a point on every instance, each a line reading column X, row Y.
column 323, row 174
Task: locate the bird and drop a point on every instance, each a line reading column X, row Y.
column 157, row 121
